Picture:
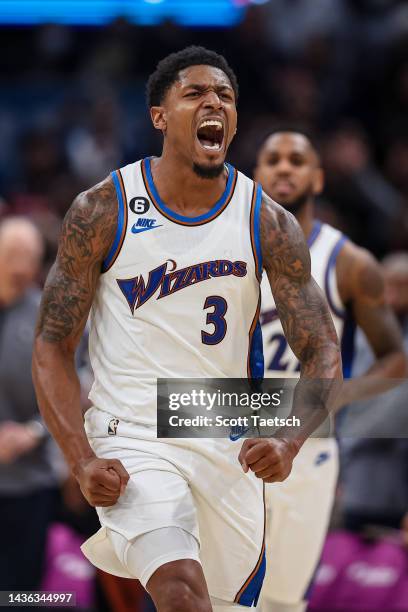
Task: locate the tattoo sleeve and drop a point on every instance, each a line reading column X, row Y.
column 87, row 233
column 300, row 303
column 303, row 311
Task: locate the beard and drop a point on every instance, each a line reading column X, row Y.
column 208, row 172
column 295, row 206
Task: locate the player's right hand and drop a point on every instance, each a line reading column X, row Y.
column 102, row 481
column 269, row 458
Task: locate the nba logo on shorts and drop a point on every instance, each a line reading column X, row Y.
column 112, row 427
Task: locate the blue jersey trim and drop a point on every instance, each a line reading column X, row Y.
column 248, row 594
column 347, row 343
column 256, row 356
column 121, row 225
column 317, row 226
column 182, row 218
column 257, row 231
column 330, row 265
column 249, row 597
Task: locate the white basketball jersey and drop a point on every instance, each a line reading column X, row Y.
column 325, row 243
column 178, row 297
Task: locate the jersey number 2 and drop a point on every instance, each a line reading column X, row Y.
column 216, row 318
column 278, row 361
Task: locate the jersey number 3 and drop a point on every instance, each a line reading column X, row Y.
column 216, row 318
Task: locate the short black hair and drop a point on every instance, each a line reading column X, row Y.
column 292, row 128
column 168, row 69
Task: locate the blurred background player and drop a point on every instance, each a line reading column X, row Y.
column 289, row 170
column 28, row 480
column 374, row 434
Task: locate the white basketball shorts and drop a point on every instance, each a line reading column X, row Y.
column 298, row 513
column 195, row 484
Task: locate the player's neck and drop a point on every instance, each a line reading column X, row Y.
column 305, row 217
column 181, row 189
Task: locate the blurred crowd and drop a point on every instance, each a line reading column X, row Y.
column 72, row 105
column 72, row 108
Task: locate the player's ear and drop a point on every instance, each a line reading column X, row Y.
column 158, row 115
column 318, row 181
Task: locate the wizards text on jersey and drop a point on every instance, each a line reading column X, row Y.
column 169, row 279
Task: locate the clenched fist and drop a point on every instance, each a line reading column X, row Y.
column 102, row 481
column 270, row 458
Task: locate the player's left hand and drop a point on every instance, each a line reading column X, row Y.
column 269, row 458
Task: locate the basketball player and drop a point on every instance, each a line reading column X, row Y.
column 167, row 254
column 298, row 511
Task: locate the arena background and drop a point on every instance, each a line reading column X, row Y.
column 72, row 108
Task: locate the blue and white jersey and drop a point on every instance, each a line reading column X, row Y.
column 324, row 243
column 178, row 297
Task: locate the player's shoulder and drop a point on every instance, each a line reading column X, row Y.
column 358, row 272
column 94, row 211
column 90, row 224
column 282, row 240
column 273, row 215
column 329, row 233
column 355, row 256
column 98, row 198
column 349, row 254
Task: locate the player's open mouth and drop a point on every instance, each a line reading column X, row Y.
column 210, row 134
column 284, row 186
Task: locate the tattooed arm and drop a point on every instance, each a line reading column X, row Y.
column 361, row 286
column 87, row 234
column 300, row 303
column 310, row 332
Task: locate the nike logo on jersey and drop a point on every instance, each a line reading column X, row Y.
column 168, row 279
column 142, row 225
column 237, row 432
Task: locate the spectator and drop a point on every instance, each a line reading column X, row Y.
column 27, row 480
column 357, row 188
